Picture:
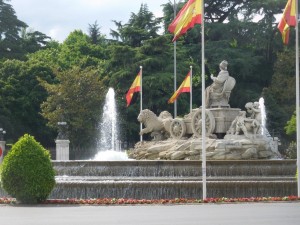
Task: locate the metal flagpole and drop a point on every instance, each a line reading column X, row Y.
column 297, row 99
column 191, row 89
column 175, row 70
column 141, row 97
column 203, row 106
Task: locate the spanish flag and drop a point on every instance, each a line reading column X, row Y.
column 187, row 17
column 184, row 87
column 135, row 87
column 288, row 20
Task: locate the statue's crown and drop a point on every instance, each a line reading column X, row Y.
column 224, row 64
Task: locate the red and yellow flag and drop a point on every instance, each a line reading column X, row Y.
column 288, row 20
column 187, row 17
column 184, row 87
column 135, row 87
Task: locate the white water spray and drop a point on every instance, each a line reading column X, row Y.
column 264, row 131
column 108, row 125
column 263, row 115
column 108, row 145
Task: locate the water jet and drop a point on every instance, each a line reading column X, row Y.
column 108, row 144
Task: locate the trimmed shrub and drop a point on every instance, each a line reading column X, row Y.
column 27, row 173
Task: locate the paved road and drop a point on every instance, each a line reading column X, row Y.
column 213, row 214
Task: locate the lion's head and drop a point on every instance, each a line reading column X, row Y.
column 152, row 123
column 146, row 115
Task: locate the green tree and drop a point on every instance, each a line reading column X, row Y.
column 15, row 39
column 76, row 50
column 76, row 98
column 21, row 96
column 141, row 26
column 94, row 32
column 76, row 54
column 95, row 35
column 280, row 95
column 10, row 26
column 32, row 41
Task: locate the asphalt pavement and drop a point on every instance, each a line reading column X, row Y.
column 280, row 213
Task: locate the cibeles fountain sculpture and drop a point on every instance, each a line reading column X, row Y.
column 231, row 133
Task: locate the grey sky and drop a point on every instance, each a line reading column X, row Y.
column 57, row 18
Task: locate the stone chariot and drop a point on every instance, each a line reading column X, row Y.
column 218, row 115
column 217, row 122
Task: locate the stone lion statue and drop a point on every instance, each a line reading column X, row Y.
column 159, row 127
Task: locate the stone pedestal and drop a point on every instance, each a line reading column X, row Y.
column 2, row 149
column 62, row 149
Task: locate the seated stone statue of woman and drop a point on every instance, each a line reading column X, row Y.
column 216, row 89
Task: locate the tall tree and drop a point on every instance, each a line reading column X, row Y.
column 141, row 26
column 76, row 50
column 10, row 26
column 21, row 96
column 280, row 96
column 78, row 63
column 76, row 99
column 32, row 41
column 15, row 39
column 95, row 34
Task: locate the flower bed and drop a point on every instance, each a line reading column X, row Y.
column 122, row 201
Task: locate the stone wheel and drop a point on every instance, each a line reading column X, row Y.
column 177, row 128
column 197, row 123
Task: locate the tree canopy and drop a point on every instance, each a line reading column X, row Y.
column 15, row 39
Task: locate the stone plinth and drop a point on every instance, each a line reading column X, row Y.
column 223, row 118
column 232, row 147
column 62, row 149
column 2, row 149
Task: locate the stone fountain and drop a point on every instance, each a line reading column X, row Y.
column 231, row 133
column 243, row 161
column 159, row 179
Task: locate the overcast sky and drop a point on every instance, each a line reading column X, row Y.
column 57, row 18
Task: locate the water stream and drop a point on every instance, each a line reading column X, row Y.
column 108, row 145
column 263, row 116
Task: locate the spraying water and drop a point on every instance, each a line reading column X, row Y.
column 263, row 115
column 108, row 125
column 264, row 131
column 108, row 144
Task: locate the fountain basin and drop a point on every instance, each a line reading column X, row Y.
column 173, row 179
column 176, row 168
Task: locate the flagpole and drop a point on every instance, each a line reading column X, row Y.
column 297, row 99
column 175, row 65
column 141, row 98
column 191, row 89
column 203, row 106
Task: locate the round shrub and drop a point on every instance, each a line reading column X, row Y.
column 27, row 173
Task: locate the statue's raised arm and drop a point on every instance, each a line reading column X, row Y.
column 218, row 93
